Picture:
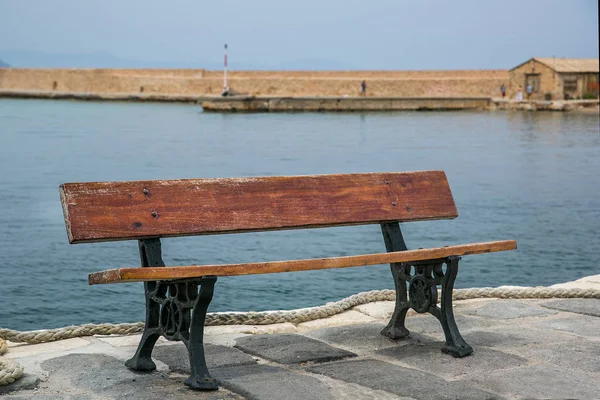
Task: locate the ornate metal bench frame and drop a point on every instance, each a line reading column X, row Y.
column 177, row 309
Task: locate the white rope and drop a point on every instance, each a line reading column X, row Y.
column 9, row 372
column 538, row 292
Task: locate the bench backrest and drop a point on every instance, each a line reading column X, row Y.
column 108, row 211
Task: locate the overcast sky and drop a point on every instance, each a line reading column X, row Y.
column 361, row 34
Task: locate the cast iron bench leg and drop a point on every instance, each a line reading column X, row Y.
column 200, row 378
column 142, row 360
column 392, row 236
column 455, row 344
column 150, row 256
column 395, row 328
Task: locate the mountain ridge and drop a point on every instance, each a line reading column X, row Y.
column 35, row 59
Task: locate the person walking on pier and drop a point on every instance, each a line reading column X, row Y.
column 503, row 90
column 363, row 88
column 529, row 91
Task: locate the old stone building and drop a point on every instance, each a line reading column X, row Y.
column 556, row 78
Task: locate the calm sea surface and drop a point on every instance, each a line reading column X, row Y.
column 534, row 177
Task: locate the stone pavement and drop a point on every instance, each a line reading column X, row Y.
column 524, row 349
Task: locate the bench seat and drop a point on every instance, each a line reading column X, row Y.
column 198, row 271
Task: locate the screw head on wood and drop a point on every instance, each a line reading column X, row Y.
column 154, row 214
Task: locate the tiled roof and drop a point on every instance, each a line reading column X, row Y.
column 571, row 64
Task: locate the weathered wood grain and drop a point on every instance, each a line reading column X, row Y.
column 105, row 211
column 182, row 272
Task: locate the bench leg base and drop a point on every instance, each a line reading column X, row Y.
column 395, row 333
column 456, row 351
column 395, row 329
column 141, row 365
column 205, row 384
column 142, row 361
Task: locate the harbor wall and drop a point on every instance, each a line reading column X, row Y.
column 199, row 82
column 342, row 104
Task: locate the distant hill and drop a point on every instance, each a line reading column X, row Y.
column 313, row 64
column 36, row 59
column 3, row 64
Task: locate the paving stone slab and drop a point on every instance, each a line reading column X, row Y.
column 576, row 354
column 579, row 306
column 364, row 338
column 428, row 357
column 54, row 396
column 46, row 348
column 177, row 358
column 581, row 325
column 219, row 330
column 106, row 377
column 290, row 348
column 377, row 309
column 429, row 325
column 587, row 282
column 540, row 381
column 508, row 309
column 225, row 339
column 265, row 382
column 401, row 381
column 345, row 318
column 352, row 391
column 512, row 336
column 26, row 381
column 469, row 303
column 125, row 340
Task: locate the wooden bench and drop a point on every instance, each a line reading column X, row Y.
column 177, row 297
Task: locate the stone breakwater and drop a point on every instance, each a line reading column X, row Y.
column 352, row 104
column 269, row 91
column 342, row 104
column 199, row 82
column 543, row 105
column 215, row 103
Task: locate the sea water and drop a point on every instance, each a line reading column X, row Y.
column 529, row 176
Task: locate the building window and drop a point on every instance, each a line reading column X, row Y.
column 534, row 81
column 570, row 83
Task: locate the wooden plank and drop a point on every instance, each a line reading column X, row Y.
column 103, row 211
column 194, row 271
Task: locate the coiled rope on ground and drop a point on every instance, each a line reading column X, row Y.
column 11, row 371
